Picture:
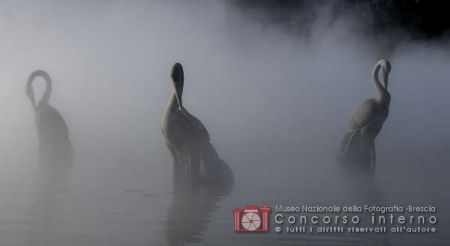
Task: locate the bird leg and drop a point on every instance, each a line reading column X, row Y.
column 349, row 141
column 367, row 148
column 374, row 158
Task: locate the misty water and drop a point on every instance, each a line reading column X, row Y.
column 276, row 106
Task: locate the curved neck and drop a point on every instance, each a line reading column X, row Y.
column 30, row 93
column 380, row 89
column 48, row 89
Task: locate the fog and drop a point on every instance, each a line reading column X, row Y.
column 275, row 103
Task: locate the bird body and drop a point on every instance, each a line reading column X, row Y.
column 367, row 121
column 195, row 159
column 182, row 128
column 369, row 116
column 53, row 133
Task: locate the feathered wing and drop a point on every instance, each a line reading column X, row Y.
column 195, row 125
column 55, row 120
column 54, row 132
column 362, row 116
column 213, row 169
column 195, row 149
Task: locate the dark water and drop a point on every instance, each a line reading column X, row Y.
column 276, row 108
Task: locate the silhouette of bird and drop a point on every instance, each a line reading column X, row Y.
column 53, row 133
column 358, row 145
column 195, row 159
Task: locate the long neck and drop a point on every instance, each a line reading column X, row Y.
column 173, row 105
column 48, row 88
column 177, row 96
column 30, row 93
column 48, row 91
column 379, row 88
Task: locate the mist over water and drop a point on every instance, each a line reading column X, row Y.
column 276, row 105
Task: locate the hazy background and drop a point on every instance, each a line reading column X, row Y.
column 275, row 100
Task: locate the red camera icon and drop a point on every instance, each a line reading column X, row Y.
column 251, row 219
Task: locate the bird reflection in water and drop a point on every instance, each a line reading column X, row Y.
column 200, row 177
column 361, row 187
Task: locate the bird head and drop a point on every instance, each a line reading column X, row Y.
column 177, row 75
